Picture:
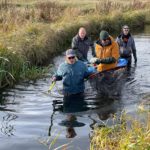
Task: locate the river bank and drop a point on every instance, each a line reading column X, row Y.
column 42, row 30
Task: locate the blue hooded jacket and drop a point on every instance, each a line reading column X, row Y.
column 73, row 76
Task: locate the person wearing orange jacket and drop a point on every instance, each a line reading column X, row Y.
column 107, row 52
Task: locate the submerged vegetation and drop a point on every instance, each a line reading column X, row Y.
column 32, row 32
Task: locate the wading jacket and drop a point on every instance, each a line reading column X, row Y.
column 127, row 46
column 108, row 55
column 82, row 47
column 73, row 76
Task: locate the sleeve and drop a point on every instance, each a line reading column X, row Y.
column 74, row 46
column 92, row 47
column 87, row 72
column 118, row 41
column 80, row 55
column 134, row 50
column 74, row 43
column 108, row 60
column 59, row 73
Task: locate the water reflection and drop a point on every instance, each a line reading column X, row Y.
column 78, row 105
column 70, row 122
column 68, row 106
column 7, row 128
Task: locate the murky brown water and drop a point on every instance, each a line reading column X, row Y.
column 27, row 115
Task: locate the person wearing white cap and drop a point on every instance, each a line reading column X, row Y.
column 72, row 72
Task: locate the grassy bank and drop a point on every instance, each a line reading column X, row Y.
column 35, row 32
column 130, row 134
column 13, row 67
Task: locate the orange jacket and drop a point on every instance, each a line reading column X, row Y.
column 103, row 52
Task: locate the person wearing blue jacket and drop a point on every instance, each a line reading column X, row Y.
column 72, row 72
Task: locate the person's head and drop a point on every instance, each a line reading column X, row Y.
column 104, row 37
column 125, row 29
column 70, row 56
column 82, row 33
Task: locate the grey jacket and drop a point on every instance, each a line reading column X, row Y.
column 127, row 48
column 82, row 47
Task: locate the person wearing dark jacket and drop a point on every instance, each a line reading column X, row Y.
column 127, row 45
column 81, row 44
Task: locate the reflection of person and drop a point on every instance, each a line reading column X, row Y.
column 127, row 45
column 109, row 109
column 70, row 122
column 81, row 44
column 72, row 72
column 107, row 52
column 70, row 130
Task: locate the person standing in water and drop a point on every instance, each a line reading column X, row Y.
column 127, row 45
column 81, row 43
column 107, row 52
column 72, row 72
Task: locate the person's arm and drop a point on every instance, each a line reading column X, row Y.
column 58, row 75
column 118, row 41
column 74, row 43
column 111, row 59
column 134, row 50
column 88, row 72
column 92, row 47
column 74, row 46
column 108, row 60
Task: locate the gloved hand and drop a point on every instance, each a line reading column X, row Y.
column 53, row 79
column 93, row 60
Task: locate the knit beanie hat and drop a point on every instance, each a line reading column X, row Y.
column 103, row 35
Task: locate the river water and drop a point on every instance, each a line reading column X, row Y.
column 29, row 120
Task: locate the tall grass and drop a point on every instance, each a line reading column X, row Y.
column 131, row 134
column 13, row 15
column 108, row 6
column 13, row 68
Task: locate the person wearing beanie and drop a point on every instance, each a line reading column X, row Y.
column 107, row 52
column 127, row 45
column 72, row 72
column 81, row 43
